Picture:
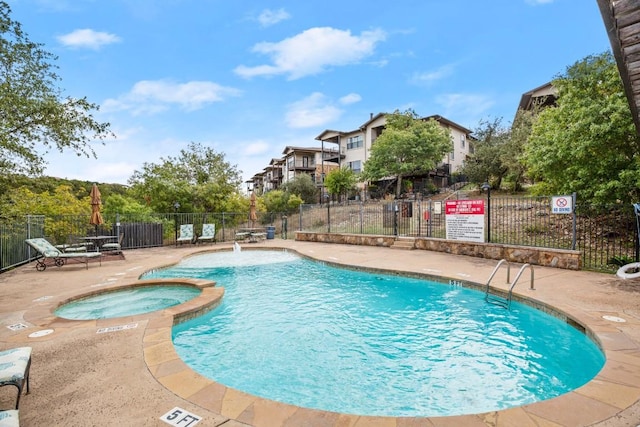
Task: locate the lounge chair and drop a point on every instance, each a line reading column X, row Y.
column 9, row 418
column 186, row 234
column 48, row 251
column 208, row 233
column 75, row 244
column 14, row 369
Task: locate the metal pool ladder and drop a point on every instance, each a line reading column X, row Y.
column 496, row 296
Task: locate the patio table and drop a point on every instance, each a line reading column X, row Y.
column 98, row 241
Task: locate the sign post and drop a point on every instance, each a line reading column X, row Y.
column 565, row 205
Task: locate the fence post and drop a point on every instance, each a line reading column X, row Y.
column 328, row 215
column 361, row 217
column 300, row 218
column 420, row 215
column 224, row 237
column 396, row 208
column 283, row 230
column 575, row 223
column 430, row 223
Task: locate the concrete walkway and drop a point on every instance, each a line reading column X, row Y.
column 124, row 372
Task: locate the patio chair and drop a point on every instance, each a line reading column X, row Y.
column 48, row 251
column 9, row 418
column 208, row 233
column 14, row 369
column 186, row 234
column 113, row 247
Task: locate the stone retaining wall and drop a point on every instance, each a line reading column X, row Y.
column 560, row 258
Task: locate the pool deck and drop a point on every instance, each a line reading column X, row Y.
column 125, row 372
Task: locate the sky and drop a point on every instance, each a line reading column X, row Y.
column 248, row 78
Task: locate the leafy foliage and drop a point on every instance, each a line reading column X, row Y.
column 303, row 186
column 588, row 143
column 200, row 180
column 62, row 201
column 485, row 163
column 341, row 181
column 407, row 146
column 34, row 116
column 117, row 203
column 281, row 201
column 498, row 152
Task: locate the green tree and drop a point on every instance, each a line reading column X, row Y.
column 512, row 154
column 341, row 181
column 35, row 116
column 485, row 163
column 61, row 201
column 303, row 186
column 280, row 201
column 200, row 179
column 588, row 142
column 276, row 201
column 407, row 146
column 19, row 202
column 293, row 203
column 118, row 203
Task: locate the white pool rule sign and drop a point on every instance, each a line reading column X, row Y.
column 180, row 417
column 465, row 220
column 562, row 204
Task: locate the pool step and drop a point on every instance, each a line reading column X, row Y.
column 406, row 243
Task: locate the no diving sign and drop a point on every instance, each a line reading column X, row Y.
column 562, row 204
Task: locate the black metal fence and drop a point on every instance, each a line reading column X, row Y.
column 138, row 231
column 606, row 235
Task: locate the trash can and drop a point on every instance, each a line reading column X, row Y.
column 271, row 232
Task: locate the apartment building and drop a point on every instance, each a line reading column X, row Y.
column 352, row 149
column 313, row 161
column 356, row 146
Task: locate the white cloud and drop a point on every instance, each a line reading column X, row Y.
column 87, row 38
column 314, row 110
column 429, row 77
column 255, row 148
column 270, row 17
column 152, row 96
column 312, row 52
column 538, row 2
column 351, row 98
column 466, row 108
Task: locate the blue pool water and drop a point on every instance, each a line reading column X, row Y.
column 127, row 302
column 301, row 332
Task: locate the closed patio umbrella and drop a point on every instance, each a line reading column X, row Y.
column 252, row 208
column 96, row 201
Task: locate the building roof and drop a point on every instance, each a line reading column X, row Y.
column 447, row 122
column 622, row 21
column 289, row 149
column 543, row 96
column 330, row 135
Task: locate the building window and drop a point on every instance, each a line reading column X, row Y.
column 356, row 166
column 355, row 142
column 462, row 140
column 452, row 155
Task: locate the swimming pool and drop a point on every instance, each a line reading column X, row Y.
column 300, row 332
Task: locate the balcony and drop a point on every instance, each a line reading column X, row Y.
column 301, row 166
